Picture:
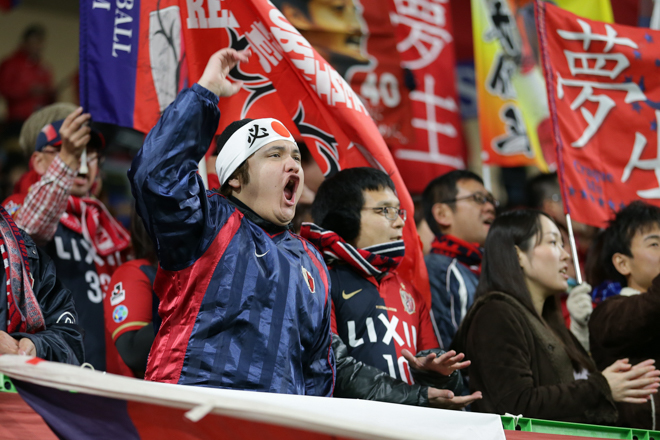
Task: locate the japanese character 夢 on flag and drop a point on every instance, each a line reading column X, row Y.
column 603, row 83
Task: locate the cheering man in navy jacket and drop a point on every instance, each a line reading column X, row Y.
column 244, row 302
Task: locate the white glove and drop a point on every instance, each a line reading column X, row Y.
column 579, row 304
column 580, row 307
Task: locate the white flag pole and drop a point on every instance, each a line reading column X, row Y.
column 487, row 177
column 83, row 162
column 571, row 239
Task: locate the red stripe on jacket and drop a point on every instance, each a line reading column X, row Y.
column 181, row 293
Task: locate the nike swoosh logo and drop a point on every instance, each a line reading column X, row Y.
column 350, row 295
column 259, row 256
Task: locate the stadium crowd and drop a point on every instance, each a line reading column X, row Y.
column 243, row 287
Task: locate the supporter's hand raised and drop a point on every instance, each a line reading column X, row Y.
column 445, row 364
column 75, row 134
column 8, row 345
column 215, row 74
column 632, row 384
column 445, row 399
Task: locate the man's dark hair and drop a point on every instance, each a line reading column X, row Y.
column 540, row 188
column 34, row 30
column 242, row 173
column 339, row 200
column 443, row 188
column 637, row 217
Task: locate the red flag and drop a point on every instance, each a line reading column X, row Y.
column 357, row 38
column 604, row 97
column 426, row 44
column 287, row 79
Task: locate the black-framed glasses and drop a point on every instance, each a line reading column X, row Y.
column 479, row 198
column 390, row 212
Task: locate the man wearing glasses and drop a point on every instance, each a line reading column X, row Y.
column 459, row 211
column 53, row 205
column 379, row 315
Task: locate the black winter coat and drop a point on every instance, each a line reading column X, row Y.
column 62, row 341
column 522, row 368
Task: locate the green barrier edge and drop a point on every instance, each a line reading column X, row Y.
column 577, row 429
column 5, row 385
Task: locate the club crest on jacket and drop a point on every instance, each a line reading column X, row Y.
column 309, row 279
column 407, row 300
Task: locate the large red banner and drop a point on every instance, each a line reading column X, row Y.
column 287, row 79
column 604, row 97
column 357, row 38
column 426, row 44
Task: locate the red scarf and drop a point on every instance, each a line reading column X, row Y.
column 89, row 217
column 23, row 310
column 468, row 254
column 371, row 261
column 101, row 229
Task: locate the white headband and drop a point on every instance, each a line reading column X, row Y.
column 246, row 141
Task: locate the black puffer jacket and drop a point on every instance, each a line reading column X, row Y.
column 62, row 341
column 359, row 381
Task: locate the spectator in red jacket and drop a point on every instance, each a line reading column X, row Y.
column 130, row 307
column 26, row 83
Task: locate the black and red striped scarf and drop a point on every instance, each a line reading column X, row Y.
column 23, row 311
column 468, row 254
column 372, row 261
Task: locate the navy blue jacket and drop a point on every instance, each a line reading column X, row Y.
column 453, row 286
column 244, row 304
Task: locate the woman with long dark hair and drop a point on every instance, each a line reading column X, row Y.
column 524, row 359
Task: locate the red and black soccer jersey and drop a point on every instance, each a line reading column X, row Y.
column 378, row 320
column 127, row 307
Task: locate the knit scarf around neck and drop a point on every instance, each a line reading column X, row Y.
column 468, row 254
column 23, row 311
column 90, row 218
column 372, row 261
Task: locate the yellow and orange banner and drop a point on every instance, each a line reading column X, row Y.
column 514, row 122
